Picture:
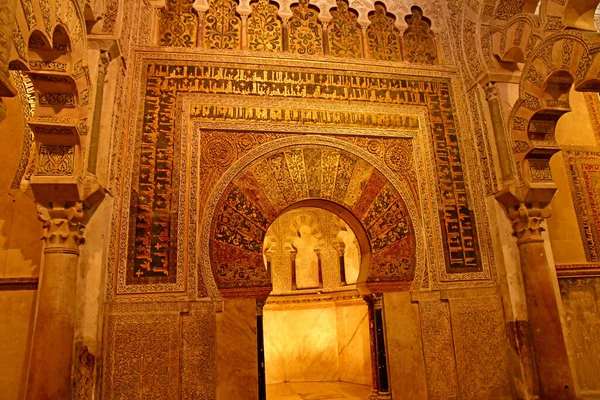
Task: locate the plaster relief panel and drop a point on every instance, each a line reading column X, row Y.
column 159, row 350
column 481, row 352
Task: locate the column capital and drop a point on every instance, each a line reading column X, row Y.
column 260, row 305
column 526, row 220
column 63, row 226
column 491, row 91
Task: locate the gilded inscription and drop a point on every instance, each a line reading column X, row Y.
column 301, row 117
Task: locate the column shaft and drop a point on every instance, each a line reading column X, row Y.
column 549, row 347
column 504, row 153
column 49, row 373
column 551, row 358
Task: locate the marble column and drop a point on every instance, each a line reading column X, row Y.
column 285, row 35
column 373, row 347
column 365, row 41
column 383, row 391
column 158, row 6
column 103, row 62
column 200, row 7
column 379, row 366
column 49, row 373
column 504, row 153
column 325, row 30
column 549, row 347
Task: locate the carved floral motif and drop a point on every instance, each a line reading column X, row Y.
column 178, row 26
column 222, row 27
column 382, row 35
column 419, row 41
column 344, row 32
column 264, row 27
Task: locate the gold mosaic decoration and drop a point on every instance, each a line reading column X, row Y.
column 154, row 218
column 306, row 36
column 222, row 27
column 419, row 42
column 264, row 27
column 344, row 32
column 178, row 26
column 382, row 35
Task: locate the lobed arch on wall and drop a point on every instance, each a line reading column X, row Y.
column 561, row 62
column 382, row 194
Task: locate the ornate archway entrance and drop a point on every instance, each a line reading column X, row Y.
column 320, row 172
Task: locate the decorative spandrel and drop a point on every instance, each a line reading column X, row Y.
column 178, row 25
column 305, row 34
column 344, row 32
column 382, row 35
column 419, row 41
column 222, row 25
column 264, row 27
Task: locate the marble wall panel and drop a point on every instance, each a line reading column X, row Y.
column 405, row 347
column 581, row 302
column 304, row 340
column 16, row 321
column 353, row 343
column 237, row 358
column 481, row 346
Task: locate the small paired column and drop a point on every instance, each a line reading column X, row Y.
column 379, row 367
column 158, row 6
column 365, row 40
column 325, row 31
column 504, row 153
column 285, row 33
column 260, row 346
column 200, row 6
column 49, row 373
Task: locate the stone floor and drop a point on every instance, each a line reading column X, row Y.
column 317, row 391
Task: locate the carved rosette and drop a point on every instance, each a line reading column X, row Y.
column 527, row 221
column 63, row 227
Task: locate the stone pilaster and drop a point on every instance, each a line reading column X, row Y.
column 504, row 154
column 49, row 373
column 549, row 347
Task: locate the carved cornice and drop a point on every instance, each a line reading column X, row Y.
column 63, row 227
column 20, row 283
column 577, row 270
